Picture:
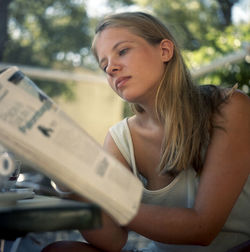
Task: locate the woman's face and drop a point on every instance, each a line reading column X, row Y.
column 134, row 68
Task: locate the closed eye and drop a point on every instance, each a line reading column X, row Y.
column 123, row 51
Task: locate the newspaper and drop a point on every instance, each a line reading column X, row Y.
column 34, row 128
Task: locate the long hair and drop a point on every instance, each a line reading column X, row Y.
column 184, row 108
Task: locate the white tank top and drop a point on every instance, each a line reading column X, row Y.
column 181, row 192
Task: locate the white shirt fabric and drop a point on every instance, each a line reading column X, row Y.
column 181, row 192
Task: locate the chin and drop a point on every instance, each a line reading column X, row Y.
column 129, row 97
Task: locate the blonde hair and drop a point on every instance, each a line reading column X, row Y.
column 185, row 109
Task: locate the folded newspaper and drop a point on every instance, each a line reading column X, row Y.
column 34, row 128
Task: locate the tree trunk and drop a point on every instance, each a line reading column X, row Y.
column 226, row 9
column 3, row 25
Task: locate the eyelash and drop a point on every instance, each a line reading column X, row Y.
column 121, row 53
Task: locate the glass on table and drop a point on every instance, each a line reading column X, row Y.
column 9, row 171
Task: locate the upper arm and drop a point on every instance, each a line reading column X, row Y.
column 227, row 164
column 111, row 147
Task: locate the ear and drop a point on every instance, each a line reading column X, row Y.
column 167, row 50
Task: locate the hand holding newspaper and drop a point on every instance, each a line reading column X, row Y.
column 35, row 129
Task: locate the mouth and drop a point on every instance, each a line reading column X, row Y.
column 120, row 82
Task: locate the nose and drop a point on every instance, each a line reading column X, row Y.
column 112, row 68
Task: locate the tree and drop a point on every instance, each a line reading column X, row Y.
column 226, row 10
column 3, row 25
column 190, row 20
column 228, row 41
column 49, row 33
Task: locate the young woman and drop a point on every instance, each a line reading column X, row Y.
column 189, row 145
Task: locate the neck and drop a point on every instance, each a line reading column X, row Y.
column 149, row 116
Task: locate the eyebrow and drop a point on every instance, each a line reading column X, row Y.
column 113, row 48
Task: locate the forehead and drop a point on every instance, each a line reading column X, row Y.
column 112, row 33
column 108, row 38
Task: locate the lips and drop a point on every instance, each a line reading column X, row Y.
column 121, row 81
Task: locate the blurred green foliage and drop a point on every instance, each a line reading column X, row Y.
column 191, row 20
column 51, row 34
column 234, row 38
column 52, row 30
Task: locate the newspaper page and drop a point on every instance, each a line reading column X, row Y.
column 35, row 129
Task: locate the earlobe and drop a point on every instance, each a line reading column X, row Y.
column 167, row 50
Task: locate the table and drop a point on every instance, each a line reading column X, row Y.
column 43, row 213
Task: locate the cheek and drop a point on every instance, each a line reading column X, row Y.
column 148, row 61
column 151, row 70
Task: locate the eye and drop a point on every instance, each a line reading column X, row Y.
column 123, row 51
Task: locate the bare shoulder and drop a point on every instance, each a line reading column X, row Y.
column 235, row 120
column 240, row 98
column 238, row 105
column 234, row 114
